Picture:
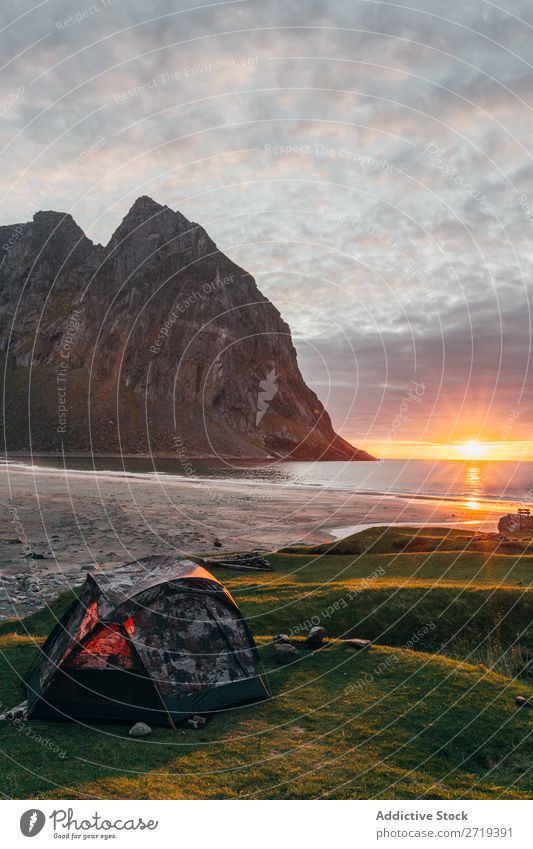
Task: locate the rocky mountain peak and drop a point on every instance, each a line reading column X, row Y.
column 162, row 343
column 151, row 234
column 51, row 225
column 146, row 204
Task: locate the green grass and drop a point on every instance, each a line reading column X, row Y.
column 386, row 540
column 389, row 722
column 480, row 604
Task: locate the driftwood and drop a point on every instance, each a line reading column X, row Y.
column 243, row 563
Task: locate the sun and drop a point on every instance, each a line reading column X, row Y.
column 472, row 450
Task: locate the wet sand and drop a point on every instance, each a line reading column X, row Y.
column 79, row 520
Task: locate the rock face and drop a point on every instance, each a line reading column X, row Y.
column 157, row 343
column 514, row 523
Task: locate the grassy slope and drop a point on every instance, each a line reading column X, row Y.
column 388, row 722
column 381, row 540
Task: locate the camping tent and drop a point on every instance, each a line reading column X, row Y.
column 157, row 640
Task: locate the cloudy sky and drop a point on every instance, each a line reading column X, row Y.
column 369, row 162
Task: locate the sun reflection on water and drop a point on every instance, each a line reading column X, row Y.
column 473, row 476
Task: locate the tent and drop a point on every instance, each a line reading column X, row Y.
column 156, row 640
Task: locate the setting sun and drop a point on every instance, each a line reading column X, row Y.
column 472, row 450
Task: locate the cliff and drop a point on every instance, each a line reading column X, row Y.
column 157, row 343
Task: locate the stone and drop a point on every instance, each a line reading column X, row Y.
column 357, row 644
column 281, row 638
column 285, row 653
column 514, row 523
column 196, row 722
column 140, row 729
column 217, row 543
column 315, row 637
column 521, row 701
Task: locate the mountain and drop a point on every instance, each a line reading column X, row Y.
column 157, row 343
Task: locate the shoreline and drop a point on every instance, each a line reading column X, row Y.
column 490, row 503
column 171, row 455
column 61, row 523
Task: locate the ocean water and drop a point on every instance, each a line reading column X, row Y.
column 477, row 481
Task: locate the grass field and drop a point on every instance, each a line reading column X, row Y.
column 428, row 712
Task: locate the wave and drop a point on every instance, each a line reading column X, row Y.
column 415, row 492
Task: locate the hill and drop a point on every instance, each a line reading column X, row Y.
column 155, row 343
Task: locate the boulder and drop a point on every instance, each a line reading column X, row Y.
column 513, row 523
column 315, row 637
column 140, row 729
column 521, row 701
column 281, row 638
column 285, row 653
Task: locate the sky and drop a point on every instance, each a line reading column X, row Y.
column 369, row 163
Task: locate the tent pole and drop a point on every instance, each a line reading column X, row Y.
column 171, row 721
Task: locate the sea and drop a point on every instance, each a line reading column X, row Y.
column 474, row 481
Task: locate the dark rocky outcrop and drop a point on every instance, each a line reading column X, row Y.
column 157, row 343
column 516, row 523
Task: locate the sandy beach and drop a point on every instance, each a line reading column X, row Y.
column 58, row 524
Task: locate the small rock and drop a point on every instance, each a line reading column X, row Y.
column 358, row 644
column 196, row 722
column 522, row 702
column 285, row 653
column 281, row 638
column 315, row 637
column 217, row 543
column 140, row 729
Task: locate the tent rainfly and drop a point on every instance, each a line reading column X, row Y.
column 157, row 640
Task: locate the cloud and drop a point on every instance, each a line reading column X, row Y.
column 395, row 217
